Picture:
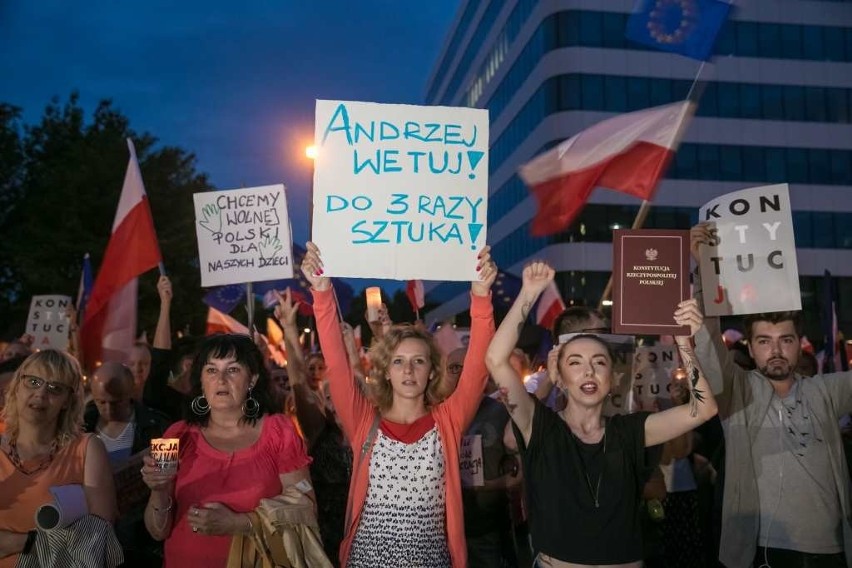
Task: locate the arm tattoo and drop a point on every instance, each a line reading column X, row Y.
column 692, row 375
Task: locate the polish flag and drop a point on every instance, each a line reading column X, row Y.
column 109, row 326
column 627, row 153
column 414, row 291
column 217, row 322
column 550, row 305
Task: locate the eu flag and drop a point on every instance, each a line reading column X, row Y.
column 225, row 298
column 505, row 289
column 687, row 27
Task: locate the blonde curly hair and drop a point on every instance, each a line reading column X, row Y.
column 381, row 354
column 56, row 366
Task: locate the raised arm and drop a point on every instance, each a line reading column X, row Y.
column 349, row 402
column 668, row 424
column 163, row 333
column 536, row 278
column 464, row 401
column 715, row 358
column 308, row 411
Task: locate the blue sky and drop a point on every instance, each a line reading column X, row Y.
column 233, row 82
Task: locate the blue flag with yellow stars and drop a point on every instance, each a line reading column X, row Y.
column 687, row 27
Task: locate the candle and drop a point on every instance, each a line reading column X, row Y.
column 374, row 303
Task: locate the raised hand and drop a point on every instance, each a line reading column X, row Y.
column 688, row 313
column 155, row 478
column 699, row 235
column 536, row 277
column 312, row 268
column 553, row 365
column 487, row 273
column 211, row 218
column 286, row 310
column 164, row 289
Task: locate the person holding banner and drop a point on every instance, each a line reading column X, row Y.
column 786, row 499
column 584, row 473
column 405, row 502
column 43, row 447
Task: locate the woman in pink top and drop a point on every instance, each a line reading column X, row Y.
column 405, row 499
column 236, row 448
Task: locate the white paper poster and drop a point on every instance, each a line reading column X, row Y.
column 751, row 266
column 48, row 321
column 400, row 191
column 653, row 369
column 470, row 461
column 243, row 235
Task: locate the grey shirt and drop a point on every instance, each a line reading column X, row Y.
column 744, row 399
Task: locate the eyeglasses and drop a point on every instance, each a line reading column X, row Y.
column 455, row 368
column 54, row 389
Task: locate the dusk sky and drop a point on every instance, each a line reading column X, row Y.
column 234, row 83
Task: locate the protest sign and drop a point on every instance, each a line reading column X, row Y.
column 243, row 235
column 750, row 267
column 653, row 368
column 470, row 461
column 400, row 191
column 48, row 322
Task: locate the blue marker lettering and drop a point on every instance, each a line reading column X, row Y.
column 454, row 233
column 416, row 156
column 472, row 141
column 412, row 130
column 456, row 201
column 369, row 135
column 433, row 128
column 452, row 134
column 423, row 203
column 330, row 205
column 365, row 202
column 388, row 131
column 373, row 165
column 432, row 163
column 344, row 114
column 390, row 162
column 399, row 199
column 458, row 169
column 473, row 208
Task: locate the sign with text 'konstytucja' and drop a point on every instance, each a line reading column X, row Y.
column 400, row 191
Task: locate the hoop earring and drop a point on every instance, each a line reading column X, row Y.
column 200, row 406
column 251, row 407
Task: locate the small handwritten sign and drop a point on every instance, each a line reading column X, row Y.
column 750, row 267
column 243, row 235
column 400, row 191
column 470, row 461
column 48, row 321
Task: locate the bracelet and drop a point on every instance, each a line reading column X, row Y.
column 166, row 510
column 28, row 545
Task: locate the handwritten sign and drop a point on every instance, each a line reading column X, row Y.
column 400, row 191
column 653, row 368
column 48, row 321
column 751, row 265
column 243, row 235
column 470, row 461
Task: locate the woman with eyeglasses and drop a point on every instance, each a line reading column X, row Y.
column 43, row 446
column 405, row 502
column 236, row 447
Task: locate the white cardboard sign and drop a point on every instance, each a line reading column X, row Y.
column 243, row 235
column 751, row 266
column 48, row 321
column 400, row 191
column 470, row 461
column 653, row 368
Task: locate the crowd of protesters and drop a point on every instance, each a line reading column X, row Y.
column 355, row 458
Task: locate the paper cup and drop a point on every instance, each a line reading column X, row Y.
column 165, row 453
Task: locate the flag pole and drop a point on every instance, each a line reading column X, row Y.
column 250, row 305
column 696, row 89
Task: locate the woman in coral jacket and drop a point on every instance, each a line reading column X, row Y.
column 405, row 504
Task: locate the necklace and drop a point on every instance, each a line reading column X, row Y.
column 596, row 493
column 15, row 458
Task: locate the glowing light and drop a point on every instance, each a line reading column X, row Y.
column 311, row 152
column 606, row 303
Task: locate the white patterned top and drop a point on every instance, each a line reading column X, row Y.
column 403, row 520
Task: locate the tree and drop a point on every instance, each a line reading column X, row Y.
column 61, row 190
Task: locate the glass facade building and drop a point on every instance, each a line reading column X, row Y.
column 776, row 107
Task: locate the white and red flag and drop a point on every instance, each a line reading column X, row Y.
column 414, row 291
column 626, row 153
column 109, row 326
column 218, row 322
column 550, row 305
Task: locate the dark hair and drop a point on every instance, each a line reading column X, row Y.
column 573, row 320
column 775, row 318
column 245, row 352
column 11, row 365
column 182, row 348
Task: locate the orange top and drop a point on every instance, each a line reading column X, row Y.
column 452, row 416
column 23, row 494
